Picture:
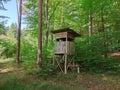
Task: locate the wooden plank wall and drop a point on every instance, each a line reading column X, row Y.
column 60, row 47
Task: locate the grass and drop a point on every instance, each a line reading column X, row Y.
column 83, row 81
column 15, row 84
column 19, row 80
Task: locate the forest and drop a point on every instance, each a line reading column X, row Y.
column 27, row 54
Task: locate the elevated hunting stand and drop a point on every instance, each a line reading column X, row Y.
column 64, row 48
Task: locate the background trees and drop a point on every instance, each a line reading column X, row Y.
column 3, row 19
column 12, row 31
column 96, row 20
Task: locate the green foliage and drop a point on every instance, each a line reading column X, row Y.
column 48, row 53
column 91, row 51
column 2, row 29
column 8, row 41
column 12, row 84
column 15, row 84
column 92, row 54
column 46, row 71
column 29, row 54
column 7, row 48
column 12, row 31
column 29, row 57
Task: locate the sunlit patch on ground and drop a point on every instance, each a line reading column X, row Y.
column 6, row 60
column 114, row 54
column 5, row 70
column 5, row 66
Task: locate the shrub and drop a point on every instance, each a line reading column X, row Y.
column 92, row 52
column 46, row 71
column 28, row 54
column 7, row 47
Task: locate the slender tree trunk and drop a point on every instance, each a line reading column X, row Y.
column 102, row 16
column 62, row 15
column 103, row 30
column 46, row 21
column 90, row 30
column 39, row 59
column 53, row 23
column 19, row 33
column 102, row 19
column 53, row 27
column 98, row 27
column 90, row 24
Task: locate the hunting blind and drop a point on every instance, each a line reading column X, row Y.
column 64, row 50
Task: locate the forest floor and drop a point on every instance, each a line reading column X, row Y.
column 16, row 78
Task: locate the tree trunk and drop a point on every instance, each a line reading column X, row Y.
column 62, row 15
column 46, row 21
column 103, row 30
column 90, row 30
column 90, row 24
column 102, row 19
column 19, row 33
column 39, row 59
column 53, row 27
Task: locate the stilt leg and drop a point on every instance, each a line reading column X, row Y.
column 65, row 65
column 78, row 69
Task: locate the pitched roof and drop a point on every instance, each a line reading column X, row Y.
column 71, row 31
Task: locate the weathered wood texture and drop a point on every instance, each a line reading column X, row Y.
column 64, row 35
column 65, row 41
column 68, row 30
column 60, row 48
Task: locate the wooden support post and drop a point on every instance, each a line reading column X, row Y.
column 70, row 61
column 65, row 64
column 59, row 66
column 78, row 69
column 65, row 67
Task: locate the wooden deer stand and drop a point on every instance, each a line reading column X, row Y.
column 64, row 48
